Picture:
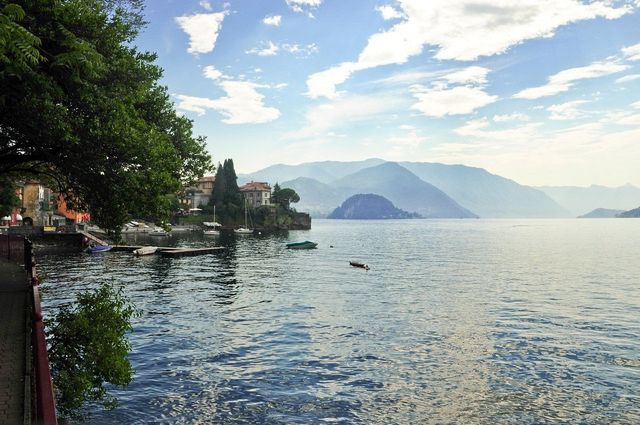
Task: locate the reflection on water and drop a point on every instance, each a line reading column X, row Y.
column 474, row 321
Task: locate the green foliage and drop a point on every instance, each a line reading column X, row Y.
column 8, row 198
column 284, row 196
column 225, row 188
column 89, row 348
column 87, row 113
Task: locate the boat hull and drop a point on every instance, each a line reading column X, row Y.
column 98, row 248
column 302, row 245
column 146, row 250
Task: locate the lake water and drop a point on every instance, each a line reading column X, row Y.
column 458, row 321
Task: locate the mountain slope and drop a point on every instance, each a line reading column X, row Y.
column 579, row 200
column 369, row 207
column 486, row 194
column 324, row 172
column 316, row 198
column 601, row 213
column 404, row 189
column 631, row 213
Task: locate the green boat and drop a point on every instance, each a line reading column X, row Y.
column 302, row 245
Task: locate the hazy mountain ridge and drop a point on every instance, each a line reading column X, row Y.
column 324, row 185
column 369, row 207
column 601, row 213
column 486, row 194
column 580, row 200
column 324, row 171
column 316, row 198
column 634, row 213
column 406, row 190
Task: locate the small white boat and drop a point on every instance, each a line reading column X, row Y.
column 146, row 250
column 244, row 230
column 158, row 231
column 212, row 228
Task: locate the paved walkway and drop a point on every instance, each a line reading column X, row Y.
column 13, row 305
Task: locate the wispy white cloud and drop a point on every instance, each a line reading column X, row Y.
column 272, row 20
column 467, row 95
column 516, row 116
column 481, row 129
column 270, row 48
column 566, row 111
column 635, row 105
column 388, row 12
column 267, row 49
column 243, row 104
column 324, row 83
column 211, row 72
column 627, row 78
column 206, row 5
column 462, row 30
column 564, row 80
column 342, row 113
column 300, row 49
column 438, row 102
column 304, row 6
column 632, row 53
column 203, row 29
column 469, row 75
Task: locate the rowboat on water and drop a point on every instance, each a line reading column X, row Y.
column 358, row 264
column 95, row 248
column 146, row 250
column 302, row 245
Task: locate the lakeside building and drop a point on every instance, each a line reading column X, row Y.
column 198, row 195
column 256, row 194
column 41, row 206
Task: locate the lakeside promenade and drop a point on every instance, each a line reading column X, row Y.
column 14, row 384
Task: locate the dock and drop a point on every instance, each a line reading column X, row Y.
column 171, row 251
column 125, row 248
column 188, row 252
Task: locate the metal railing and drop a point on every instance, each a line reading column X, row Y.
column 18, row 249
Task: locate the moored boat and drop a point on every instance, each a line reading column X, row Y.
column 158, row 231
column 359, row 264
column 302, row 245
column 96, row 248
column 146, row 250
column 244, row 230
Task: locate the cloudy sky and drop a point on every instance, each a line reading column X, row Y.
column 540, row 91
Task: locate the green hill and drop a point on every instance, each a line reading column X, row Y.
column 369, row 207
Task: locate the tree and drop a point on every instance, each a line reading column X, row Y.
column 89, row 348
column 225, row 188
column 82, row 110
column 232, row 191
column 219, row 187
column 287, row 196
column 8, row 198
column 275, row 194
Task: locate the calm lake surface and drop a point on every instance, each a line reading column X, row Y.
column 458, row 321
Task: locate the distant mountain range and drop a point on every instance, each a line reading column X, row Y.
column 581, row 200
column 601, row 213
column 437, row 190
column 635, row 213
column 369, row 207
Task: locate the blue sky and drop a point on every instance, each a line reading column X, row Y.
column 540, row 91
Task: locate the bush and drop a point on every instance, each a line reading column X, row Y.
column 89, row 348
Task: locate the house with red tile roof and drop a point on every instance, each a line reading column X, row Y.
column 256, row 194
